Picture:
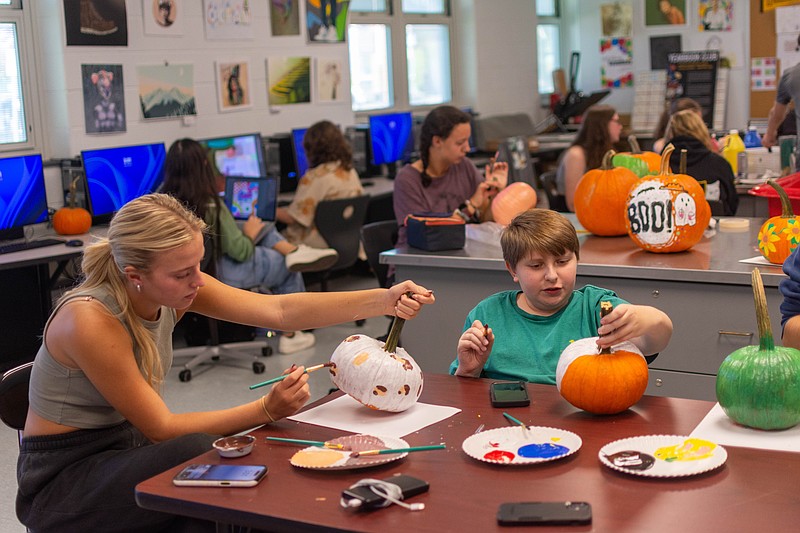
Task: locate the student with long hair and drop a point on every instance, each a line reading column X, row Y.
column 444, row 180
column 599, row 131
column 97, row 423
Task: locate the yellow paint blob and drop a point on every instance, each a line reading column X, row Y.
column 690, row 450
column 361, row 358
column 316, row 459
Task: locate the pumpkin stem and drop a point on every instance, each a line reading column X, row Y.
column 682, row 164
column 635, row 148
column 605, row 308
column 607, row 164
column 786, row 204
column 393, row 338
column 665, row 155
column 765, row 340
column 73, row 186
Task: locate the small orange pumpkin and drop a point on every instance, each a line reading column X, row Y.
column 72, row 220
column 601, row 382
column 513, row 200
column 779, row 235
column 652, row 159
column 667, row 212
column 600, row 198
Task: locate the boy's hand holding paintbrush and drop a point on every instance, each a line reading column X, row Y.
column 474, row 348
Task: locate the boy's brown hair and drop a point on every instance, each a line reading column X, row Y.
column 538, row 230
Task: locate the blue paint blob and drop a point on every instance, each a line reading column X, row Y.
column 542, row 451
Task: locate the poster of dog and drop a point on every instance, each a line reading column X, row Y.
column 103, row 98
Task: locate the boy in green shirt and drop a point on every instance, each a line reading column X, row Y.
column 534, row 325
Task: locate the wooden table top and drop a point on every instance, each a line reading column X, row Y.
column 756, row 490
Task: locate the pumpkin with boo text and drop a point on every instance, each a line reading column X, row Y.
column 513, row 200
column 779, row 235
column 380, row 379
column 601, row 195
column 667, row 212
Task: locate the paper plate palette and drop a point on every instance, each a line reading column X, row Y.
column 518, row 446
column 319, row 458
column 663, row 456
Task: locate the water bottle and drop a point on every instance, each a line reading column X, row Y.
column 752, row 139
column 731, row 147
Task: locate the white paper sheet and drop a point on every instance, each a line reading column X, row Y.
column 717, row 427
column 347, row 414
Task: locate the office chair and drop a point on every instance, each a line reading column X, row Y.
column 14, row 397
column 555, row 200
column 339, row 222
column 216, row 351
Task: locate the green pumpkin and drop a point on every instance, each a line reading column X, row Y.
column 759, row 386
column 634, row 164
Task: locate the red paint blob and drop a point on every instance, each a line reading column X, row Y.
column 500, row 456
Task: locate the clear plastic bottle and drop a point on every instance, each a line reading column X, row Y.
column 731, row 147
column 752, row 139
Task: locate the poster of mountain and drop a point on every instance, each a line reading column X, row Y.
column 166, row 91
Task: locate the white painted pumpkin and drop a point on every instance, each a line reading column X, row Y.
column 378, row 379
column 601, row 382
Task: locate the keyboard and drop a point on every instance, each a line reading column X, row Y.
column 28, row 245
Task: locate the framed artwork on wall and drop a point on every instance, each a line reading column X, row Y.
column 289, row 80
column 166, row 91
column 665, row 13
column 103, row 98
column 163, row 17
column 233, row 85
column 96, row 23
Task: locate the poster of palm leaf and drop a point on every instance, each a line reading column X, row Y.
column 289, row 80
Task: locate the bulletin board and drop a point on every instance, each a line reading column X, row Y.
column 762, row 44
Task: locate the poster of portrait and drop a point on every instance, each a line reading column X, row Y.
column 329, row 80
column 664, row 12
column 166, row 91
column 233, row 85
column 103, row 98
column 326, row 20
column 715, row 15
column 617, row 19
column 163, row 17
column 284, row 17
column 96, row 23
column 228, row 19
column 616, row 62
column 289, row 80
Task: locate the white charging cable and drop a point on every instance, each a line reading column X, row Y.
column 391, row 494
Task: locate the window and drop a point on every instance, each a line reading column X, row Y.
column 14, row 132
column 399, row 53
column 548, row 43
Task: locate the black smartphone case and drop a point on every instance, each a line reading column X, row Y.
column 544, row 513
column 410, row 486
column 520, row 400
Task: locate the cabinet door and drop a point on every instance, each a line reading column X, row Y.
column 709, row 320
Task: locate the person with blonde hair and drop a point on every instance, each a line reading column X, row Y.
column 686, row 130
column 679, row 104
column 97, row 423
column 600, row 129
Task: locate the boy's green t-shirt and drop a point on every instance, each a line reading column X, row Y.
column 527, row 347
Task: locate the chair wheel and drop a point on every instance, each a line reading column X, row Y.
column 185, row 375
column 258, row 368
column 266, row 351
column 360, row 322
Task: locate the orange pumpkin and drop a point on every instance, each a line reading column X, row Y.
column 513, row 200
column 600, row 198
column 652, row 159
column 602, row 382
column 72, row 220
column 667, row 212
column 780, row 235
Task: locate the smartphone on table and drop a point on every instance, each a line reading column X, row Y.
column 544, row 513
column 204, row 475
column 509, row 394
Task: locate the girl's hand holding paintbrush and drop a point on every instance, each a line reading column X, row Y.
column 287, row 396
column 474, row 348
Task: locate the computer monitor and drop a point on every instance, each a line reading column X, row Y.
column 115, row 176
column 247, row 196
column 23, row 199
column 300, row 160
column 391, row 138
column 237, row 155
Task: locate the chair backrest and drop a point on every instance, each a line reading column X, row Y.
column 14, row 396
column 339, row 222
column 378, row 237
column 555, row 200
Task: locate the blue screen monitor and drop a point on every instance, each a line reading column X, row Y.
column 237, row 155
column 115, row 176
column 23, row 200
column 300, row 160
column 391, row 138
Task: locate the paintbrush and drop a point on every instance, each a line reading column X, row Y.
column 281, row 378
column 399, row 450
column 518, row 422
column 319, row 443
